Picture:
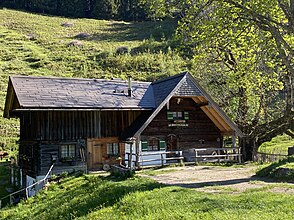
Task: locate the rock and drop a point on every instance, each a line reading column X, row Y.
column 122, row 50
column 82, row 35
column 66, row 24
column 32, row 36
column 75, row 43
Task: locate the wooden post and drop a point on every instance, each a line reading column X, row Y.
column 162, row 162
column 137, row 142
column 218, row 153
column 0, row 204
column 181, row 155
column 11, row 201
column 137, row 160
column 27, row 193
column 234, row 145
column 196, row 155
column 239, row 155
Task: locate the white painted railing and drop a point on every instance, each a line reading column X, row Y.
column 26, row 189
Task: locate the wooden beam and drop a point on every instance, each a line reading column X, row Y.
column 213, row 119
column 220, row 119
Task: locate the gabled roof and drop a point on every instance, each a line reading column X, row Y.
column 61, row 93
column 184, row 85
column 44, row 93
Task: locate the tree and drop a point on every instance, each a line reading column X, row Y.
column 244, row 50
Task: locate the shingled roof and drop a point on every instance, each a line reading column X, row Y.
column 51, row 93
column 59, row 93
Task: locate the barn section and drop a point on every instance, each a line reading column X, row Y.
column 185, row 118
column 76, row 123
column 85, row 124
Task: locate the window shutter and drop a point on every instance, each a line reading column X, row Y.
column 162, row 145
column 186, row 115
column 144, row 145
column 170, row 116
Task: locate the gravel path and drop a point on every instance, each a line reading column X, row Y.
column 216, row 179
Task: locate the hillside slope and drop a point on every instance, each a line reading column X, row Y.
column 94, row 197
column 34, row 44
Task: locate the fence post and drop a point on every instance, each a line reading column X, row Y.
column 181, row 155
column 196, row 155
column 218, row 153
column 27, row 193
column 138, row 161
column 162, row 163
column 10, row 198
column 239, row 155
column 0, row 204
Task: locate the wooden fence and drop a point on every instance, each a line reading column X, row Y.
column 265, row 157
column 198, row 155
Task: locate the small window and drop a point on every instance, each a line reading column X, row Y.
column 153, row 145
column 68, row 151
column 177, row 115
column 112, row 149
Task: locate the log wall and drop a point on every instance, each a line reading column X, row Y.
column 200, row 132
column 73, row 125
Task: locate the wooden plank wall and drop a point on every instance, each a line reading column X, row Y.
column 74, row 125
column 200, row 127
column 29, row 157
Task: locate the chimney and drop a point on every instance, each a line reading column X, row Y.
column 130, row 87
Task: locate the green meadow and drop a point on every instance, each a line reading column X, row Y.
column 95, row 197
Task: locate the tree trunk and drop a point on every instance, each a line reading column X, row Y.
column 248, row 147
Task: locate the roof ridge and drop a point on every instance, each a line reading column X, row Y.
column 170, row 78
column 76, row 78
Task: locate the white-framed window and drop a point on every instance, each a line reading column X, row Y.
column 112, row 149
column 67, row 150
column 177, row 115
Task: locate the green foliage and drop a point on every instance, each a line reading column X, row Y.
column 38, row 45
column 281, row 170
column 105, row 9
column 235, row 59
column 278, row 145
column 93, row 197
column 102, row 9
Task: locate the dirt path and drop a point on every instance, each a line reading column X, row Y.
column 216, row 178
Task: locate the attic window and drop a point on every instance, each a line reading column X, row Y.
column 177, row 115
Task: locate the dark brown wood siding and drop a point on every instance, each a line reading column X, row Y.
column 43, row 133
column 70, row 125
column 200, row 132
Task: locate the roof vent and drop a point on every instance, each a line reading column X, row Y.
column 130, row 87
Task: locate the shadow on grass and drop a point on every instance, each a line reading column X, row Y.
column 119, row 31
column 274, row 170
column 94, row 193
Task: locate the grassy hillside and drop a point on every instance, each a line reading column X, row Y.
column 92, row 197
column 32, row 44
column 278, row 145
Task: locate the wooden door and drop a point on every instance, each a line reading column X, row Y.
column 94, row 159
column 172, row 142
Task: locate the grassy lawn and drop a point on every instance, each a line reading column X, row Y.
column 278, row 145
column 94, row 197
